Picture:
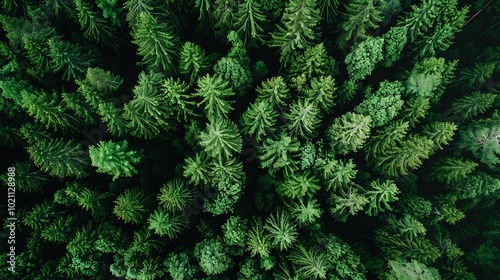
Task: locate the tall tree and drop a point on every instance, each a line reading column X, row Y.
column 359, row 17
column 259, row 119
column 60, row 158
column 281, row 230
column 303, row 119
column 483, row 142
column 192, row 61
column 279, row 154
column 70, row 58
column 214, row 91
column 379, row 195
column 132, row 205
column 297, row 30
column 221, row 139
column 274, row 90
column 364, row 58
column 349, row 132
column 249, row 20
column 157, row 45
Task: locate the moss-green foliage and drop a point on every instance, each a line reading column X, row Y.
column 219, row 139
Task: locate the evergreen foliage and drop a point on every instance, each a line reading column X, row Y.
column 115, row 159
column 218, row 139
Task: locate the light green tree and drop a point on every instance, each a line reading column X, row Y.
column 132, row 205
column 359, row 17
column 379, row 195
column 349, row 132
column 166, row 223
column 115, row 158
column 281, row 229
column 192, row 61
column 212, row 256
column 274, row 90
column 279, row 154
column 176, row 195
column 259, row 120
column 383, row 105
column 303, row 119
column 214, row 91
column 298, row 186
column 311, row 262
column 221, row 140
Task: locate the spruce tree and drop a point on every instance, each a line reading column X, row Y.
column 115, row 158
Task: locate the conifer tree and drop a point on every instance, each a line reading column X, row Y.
column 347, row 202
column 303, row 119
column 384, row 104
column 279, row 154
column 196, row 169
column 472, row 105
column 115, row 158
column 192, row 61
column 483, row 142
column 359, row 17
column 177, row 97
column 116, row 124
column 214, row 91
column 166, row 223
column 339, row 173
column 231, row 70
column 441, row 133
column 414, row 109
column 157, row 45
column 274, row 90
column 349, row 132
column 259, row 119
column 176, row 195
column 297, row 30
column 212, row 256
column 132, row 205
column 49, row 110
column 221, row 139
column 379, row 195
column 249, row 20
column 93, row 25
column 305, row 213
column 399, row 159
column 258, row 239
column 281, row 230
column 69, row 58
column 322, row 93
column 27, row 178
column 394, row 41
column 311, row 262
column 385, row 138
column 60, row 158
column 298, row 186
column 364, row 58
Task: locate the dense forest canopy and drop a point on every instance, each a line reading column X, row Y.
column 251, row 139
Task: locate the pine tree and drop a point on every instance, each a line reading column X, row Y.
column 274, row 90
column 441, row 133
column 303, row 119
column 472, row 105
column 420, row 18
column 212, row 256
column 115, row 158
column 414, row 109
column 328, row 9
column 137, row 7
column 298, row 186
column 399, row 246
column 394, row 41
column 280, row 154
column 49, row 110
column 339, row 173
column 349, row 132
column 385, row 138
column 176, row 195
column 93, row 25
column 348, row 202
column 411, row 270
column 192, row 61
column 221, row 139
column 259, row 120
column 311, row 262
column 297, row 30
column 470, row 78
column 59, row 158
column 116, row 124
column 364, row 58
column 399, row 159
column 483, row 142
column 379, row 195
column 196, row 169
column 82, row 110
column 166, row 223
column 235, row 229
column 258, row 240
column 69, row 58
column 231, row 71
column 147, row 112
column 249, row 20
column 177, row 97
column 157, row 45
column 214, row 91
column 383, row 105
column 322, row 93
column 132, row 205
column 281, row 230
column 305, row 213
column 27, row 178
column 359, row 17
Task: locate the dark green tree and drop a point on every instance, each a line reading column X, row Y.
column 359, row 17
column 176, row 195
column 192, row 61
column 249, row 21
column 483, row 142
column 279, row 154
column 157, row 45
column 212, row 256
column 60, row 158
column 132, row 205
column 214, row 91
column 70, row 58
column 379, row 194
column 259, row 120
column 221, row 140
column 166, row 223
